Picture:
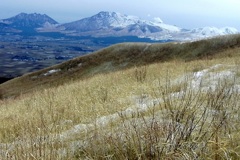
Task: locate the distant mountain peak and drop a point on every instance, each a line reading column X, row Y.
column 214, row 31
column 105, row 24
column 29, row 16
column 32, row 20
column 104, row 14
column 115, row 19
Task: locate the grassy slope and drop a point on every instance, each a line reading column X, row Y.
column 117, row 57
column 30, row 125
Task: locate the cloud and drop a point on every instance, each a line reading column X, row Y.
column 158, row 20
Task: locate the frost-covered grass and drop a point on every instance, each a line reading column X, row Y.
column 174, row 110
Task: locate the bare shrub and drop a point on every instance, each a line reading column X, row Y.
column 141, row 74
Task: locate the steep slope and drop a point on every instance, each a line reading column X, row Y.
column 180, row 109
column 118, row 57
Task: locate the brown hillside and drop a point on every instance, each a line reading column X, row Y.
column 117, row 57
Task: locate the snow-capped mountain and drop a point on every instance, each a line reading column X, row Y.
column 105, row 20
column 28, row 21
column 107, row 24
column 102, row 20
column 213, row 31
column 116, row 24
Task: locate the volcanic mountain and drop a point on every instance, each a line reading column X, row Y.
column 106, row 24
column 24, row 21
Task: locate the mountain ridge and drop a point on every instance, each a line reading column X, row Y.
column 113, row 23
column 116, row 24
column 105, row 24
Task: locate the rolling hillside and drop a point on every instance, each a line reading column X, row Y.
column 128, row 101
column 118, row 57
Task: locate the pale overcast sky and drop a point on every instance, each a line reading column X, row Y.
column 183, row 13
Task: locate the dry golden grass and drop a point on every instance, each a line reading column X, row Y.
column 119, row 57
column 58, row 109
column 193, row 125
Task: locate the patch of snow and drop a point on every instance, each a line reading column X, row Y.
column 80, row 64
column 177, row 94
column 52, row 71
column 105, row 120
column 206, row 79
column 168, row 27
column 120, row 20
column 77, row 129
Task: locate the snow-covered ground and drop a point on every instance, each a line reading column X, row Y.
column 51, row 72
column 202, row 80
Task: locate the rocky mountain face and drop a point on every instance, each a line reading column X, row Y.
column 116, row 24
column 101, row 21
column 24, row 21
